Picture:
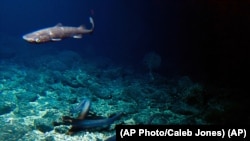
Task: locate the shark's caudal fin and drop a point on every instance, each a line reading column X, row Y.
column 88, row 30
column 92, row 22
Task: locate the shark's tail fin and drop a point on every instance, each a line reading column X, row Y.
column 92, row 22
column 87, row 31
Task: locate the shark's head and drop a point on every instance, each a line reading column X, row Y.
column 36, row 37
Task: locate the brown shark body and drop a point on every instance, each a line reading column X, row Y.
column 57, row 33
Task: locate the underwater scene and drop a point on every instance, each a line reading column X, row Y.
column 73, row 70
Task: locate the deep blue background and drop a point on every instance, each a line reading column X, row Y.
column 206, row 40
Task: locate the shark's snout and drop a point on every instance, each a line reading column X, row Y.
column 27, row 38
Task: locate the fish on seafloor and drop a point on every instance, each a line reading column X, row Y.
column 57, row 33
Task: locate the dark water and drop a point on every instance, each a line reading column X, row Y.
column 180, row 48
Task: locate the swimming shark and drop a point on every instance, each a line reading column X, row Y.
column 57, row 33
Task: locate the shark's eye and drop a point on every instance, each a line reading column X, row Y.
column 37, row 40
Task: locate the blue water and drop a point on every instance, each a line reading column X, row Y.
column 160, row 62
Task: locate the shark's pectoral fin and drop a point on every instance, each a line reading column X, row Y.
column 56, row 39
column 77, row 36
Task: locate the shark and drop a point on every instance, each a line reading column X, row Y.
column 57, row 33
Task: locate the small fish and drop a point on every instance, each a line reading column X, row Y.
column 57, row 33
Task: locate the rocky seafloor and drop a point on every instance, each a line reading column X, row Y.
column 37, row 92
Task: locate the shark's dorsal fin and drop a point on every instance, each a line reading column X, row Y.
column 59, row 25
column 81, row 27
